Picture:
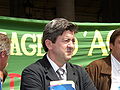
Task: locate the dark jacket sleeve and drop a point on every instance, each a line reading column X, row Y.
column 84, row 80
column 31, row 80
column 87, row 82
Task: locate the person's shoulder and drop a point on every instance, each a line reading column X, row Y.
column 77, row 67
column 38, row 66
column 100, row 61
column 34, row 66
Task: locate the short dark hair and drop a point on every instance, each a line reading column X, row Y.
column 114, row 35
column 55, row 28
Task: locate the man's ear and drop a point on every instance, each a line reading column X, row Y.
column 49, row 44
column 111, row 46
column 3, row 53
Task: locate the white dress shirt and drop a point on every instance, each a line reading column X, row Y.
column 55, row 67
column 115, row 73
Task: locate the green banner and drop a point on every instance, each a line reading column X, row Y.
column 92, row 42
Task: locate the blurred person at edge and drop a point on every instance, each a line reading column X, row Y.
column 105, row 72
column 58, row 42
column 4, row 54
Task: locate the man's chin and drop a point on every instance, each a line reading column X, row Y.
column 69, row 57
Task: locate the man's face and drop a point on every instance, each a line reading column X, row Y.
column 63, row 48
column 3, row 60
column 116, row 48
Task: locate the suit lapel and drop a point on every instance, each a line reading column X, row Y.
column 106, row 69
column 49, row 71
column 71, row 74
column 52, row 76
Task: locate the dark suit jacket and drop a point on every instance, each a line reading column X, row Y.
column 38, row 76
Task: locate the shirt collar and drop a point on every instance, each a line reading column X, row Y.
column 115, row 62
column 55, row 66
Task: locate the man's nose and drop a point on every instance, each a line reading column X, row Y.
column 71, row 44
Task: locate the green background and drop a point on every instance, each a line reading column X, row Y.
column 21, row 26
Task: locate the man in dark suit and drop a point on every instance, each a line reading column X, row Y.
column 58, row 42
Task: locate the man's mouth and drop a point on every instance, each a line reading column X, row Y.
column 70, row 52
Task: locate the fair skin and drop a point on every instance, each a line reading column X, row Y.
column 61, row 51
column 116, row 48
column 3, row 62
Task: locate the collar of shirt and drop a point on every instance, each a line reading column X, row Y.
column 55, row 66
column 115, row 63
column 115, row 73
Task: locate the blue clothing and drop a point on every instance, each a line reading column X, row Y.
column 0, row 85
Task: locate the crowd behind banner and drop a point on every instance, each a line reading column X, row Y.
column 91, row 43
